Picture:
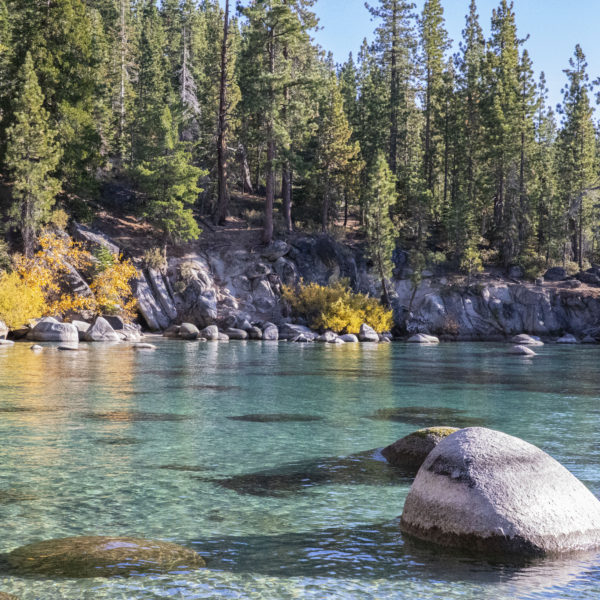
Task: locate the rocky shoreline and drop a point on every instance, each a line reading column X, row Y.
column 228, row 291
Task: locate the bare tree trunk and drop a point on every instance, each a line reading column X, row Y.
column 223, row 190
column 123, row 78
column 286, row 193
column 270, row 174
column 325, row 211
column 245, row 168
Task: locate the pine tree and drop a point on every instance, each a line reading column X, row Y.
column 335, row 151
column 170, row 183
column 577, row 153
column 502, row 116
column 380, row 231
column 32, row 157
column 468, row 210
column 434, row 44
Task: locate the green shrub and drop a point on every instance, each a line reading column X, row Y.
column 337, row 308
column 155, row 259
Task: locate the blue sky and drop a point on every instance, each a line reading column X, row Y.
column 554, row 27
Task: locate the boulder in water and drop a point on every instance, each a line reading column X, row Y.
column 526, row 340
column 210, row 333
column 4, row 596
column 349, row 338
column 271, row 333
column 100, row 557
column 522, row 351
column 567, row 339
column 486, row 491
column 101, row 331
column 367, row 334
column 50, row 330
column 423, row 338
column 409, row 452
column 188, row 331
column 236, row 334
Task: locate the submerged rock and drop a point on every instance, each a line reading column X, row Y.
column 410, row 451
column 276, row 418
column 36, row 348
column 50, row 330
column 426, row 416
column 144, row 346
column 4, row 596
column 522, row 351
column 101, row 557
column 486, row 491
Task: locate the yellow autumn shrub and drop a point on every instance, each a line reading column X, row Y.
column 112, row 289
column 49, row 270
column 20, row 301
column 337, row 307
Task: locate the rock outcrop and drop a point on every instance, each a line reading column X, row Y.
column 50, row 330
column 486, row 491
column 80, row 557
column 410, row 452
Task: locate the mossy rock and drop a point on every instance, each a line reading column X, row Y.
column 100, row 557
column 411, row 451
column 4, row 596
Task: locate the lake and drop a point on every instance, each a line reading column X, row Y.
column 263, row 458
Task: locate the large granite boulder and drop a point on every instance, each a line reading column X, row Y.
column 236, row 334
column 270, row 333
column 101, row 331
column 367, row 334
column 3, row 330
column 486, row 491
column 50, row 330
column 188, row 331
column 275, row 251
column 410, row 452
column 210, row 333
column 349, row 338
column 290, row 331
column 100, row 557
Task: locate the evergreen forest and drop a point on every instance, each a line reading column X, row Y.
column 447, row 149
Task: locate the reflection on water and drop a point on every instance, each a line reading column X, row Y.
column 257, row 455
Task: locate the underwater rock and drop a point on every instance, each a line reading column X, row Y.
column 411, row 451
column 126, row 416
column 426, row 416
column 276, row 418
column 100, row 557
column 4, row 596
column 144, row 346
column 365, row 468
column 487, row 491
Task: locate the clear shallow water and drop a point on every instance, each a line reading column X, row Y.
column 112, row 442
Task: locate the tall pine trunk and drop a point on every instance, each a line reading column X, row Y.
column 222, row 187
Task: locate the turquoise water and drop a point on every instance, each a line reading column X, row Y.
column 108, row 441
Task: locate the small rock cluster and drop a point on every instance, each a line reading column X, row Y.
column 267, row 331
